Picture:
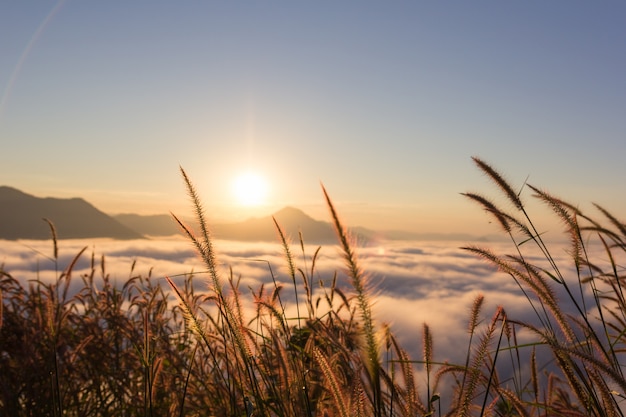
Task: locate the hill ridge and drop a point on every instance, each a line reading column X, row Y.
column 21, row 217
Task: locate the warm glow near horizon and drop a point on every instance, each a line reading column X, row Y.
column 385, row 106
column 250, row 189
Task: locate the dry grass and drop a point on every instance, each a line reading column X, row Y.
column 584, row 328
column 143, row 349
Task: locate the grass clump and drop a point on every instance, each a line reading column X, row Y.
column 579, row 308
column 87, row 347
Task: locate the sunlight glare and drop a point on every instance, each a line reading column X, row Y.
column 250, row 189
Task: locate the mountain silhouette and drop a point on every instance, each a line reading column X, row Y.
column 149, row 225
column 292, row 221
column 21, row 217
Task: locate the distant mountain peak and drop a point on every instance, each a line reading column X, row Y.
column 22, row 214
column 290, row 212
column 73, row 218
column 9, row 193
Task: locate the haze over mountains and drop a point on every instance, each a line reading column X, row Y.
column 21, row 217
column 291, row 220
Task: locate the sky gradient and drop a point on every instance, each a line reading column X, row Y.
column 385, row 103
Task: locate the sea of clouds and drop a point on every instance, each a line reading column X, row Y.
column 412, row 282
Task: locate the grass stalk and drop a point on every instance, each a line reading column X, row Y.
column 358, row 280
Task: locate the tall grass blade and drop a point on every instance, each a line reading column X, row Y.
column 372, row 353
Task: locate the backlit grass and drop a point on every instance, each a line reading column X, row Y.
column 151, row 347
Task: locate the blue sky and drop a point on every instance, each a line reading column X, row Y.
column 384, row 103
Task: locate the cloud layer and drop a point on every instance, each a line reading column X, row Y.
column 413, row 282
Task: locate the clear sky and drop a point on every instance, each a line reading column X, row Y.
column 384, row 102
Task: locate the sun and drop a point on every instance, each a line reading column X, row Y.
column 250, row 189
